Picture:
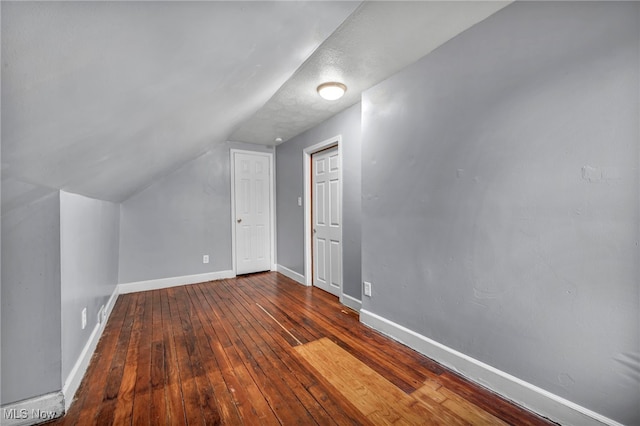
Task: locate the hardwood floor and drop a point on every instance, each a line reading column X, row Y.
column 262, row 349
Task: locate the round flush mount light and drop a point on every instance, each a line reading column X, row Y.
column 331, row 91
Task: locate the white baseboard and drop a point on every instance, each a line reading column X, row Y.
column 34, row 410
column 173, row 281
column 291, row 274
column 80, row 367
column 76, row 374
column 530, row 396
column 351, row 302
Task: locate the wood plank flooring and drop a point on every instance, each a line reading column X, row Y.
column 264, row 350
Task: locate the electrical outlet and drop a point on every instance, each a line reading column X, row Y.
column 367, row 289
column 84, row 318
column 205, row 258
column 101, row 315
column 300, row 201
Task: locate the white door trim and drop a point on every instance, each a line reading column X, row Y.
column 306, row 167
column 272, row 206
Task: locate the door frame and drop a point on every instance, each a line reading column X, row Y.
column 272, row 195
column 308, row 237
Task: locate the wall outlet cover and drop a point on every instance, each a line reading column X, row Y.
column 205, row 258
column 367, row 289
column 84, row 318
column 101, row 314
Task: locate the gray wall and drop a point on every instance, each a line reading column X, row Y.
column 289, row 186
column 166, row 228
column 30, row 291
column 89, row 234
column 500, row 198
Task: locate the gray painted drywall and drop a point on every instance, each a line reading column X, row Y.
column 165, row 229
column 31, row 357
column 500, row 198
column 289, row 186
column 89, row 235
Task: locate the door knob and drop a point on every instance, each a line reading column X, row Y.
column 239, row 220
column 315, row 230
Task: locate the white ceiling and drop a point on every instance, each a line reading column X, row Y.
column 102, row 98
column 376, row 41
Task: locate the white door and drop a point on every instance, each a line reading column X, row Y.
column 326, row 221
column 252, row 213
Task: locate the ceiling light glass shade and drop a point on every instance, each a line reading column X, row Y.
column 331, row 91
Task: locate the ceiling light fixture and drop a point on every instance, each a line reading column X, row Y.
column 331, row 91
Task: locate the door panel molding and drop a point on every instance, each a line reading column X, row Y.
column 272, row 218
column 306, row 166
column 325, row 198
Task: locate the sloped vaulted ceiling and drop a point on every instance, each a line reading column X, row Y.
column 377, row 40
column 102, row 98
